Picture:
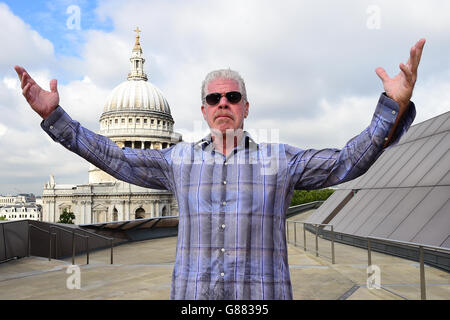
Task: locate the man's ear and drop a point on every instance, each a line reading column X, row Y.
column 204, row 112
column 247, row 106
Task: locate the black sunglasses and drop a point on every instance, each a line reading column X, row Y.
column 233, row 97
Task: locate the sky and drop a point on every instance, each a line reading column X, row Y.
column 309, row 67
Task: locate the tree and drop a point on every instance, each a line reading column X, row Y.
column 305, row 196
column 66, row 217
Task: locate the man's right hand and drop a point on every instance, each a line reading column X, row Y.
column 42, row 101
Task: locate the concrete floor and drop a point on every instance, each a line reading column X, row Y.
column 142, row 270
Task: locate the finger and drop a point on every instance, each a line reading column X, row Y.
column 382, row 74
column 27, row 79
column 19, row 71
column 25, row 90
column 407, row 72
column 54, row 85
column 24, row 80
column 419, row 49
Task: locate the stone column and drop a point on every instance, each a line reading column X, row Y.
column 157, row 213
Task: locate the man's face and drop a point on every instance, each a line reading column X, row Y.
column 225, row 115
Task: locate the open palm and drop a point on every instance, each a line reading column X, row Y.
column 400, row 87
column 42, row 101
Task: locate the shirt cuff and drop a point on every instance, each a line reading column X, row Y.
column 56, row 123
column 387, row 109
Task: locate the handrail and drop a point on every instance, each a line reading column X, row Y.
column 413, row 244
column 317, row 236
column 73, row 242
column 73, row 232
column 423, row 295
column 50, row 240
column 102, row 237
column 369, row 248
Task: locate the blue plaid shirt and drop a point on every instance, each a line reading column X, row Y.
column 231, row 233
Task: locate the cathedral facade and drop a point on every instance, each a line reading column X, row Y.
column 135, row 115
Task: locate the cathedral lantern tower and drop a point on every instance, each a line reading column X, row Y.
column 136, row 114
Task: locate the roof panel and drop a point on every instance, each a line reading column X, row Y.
column 361, row 218
column 385, row 160
column 328, row 206
column 400, row 212
column 401, row 157
column 436, row 125
column 411, row 131
column 446, row 125
column 383, row 210
column 421, row 214
column 356, row 198
column 437, row 230
column 432, row 163
column 412, row 168
column 446, row 243
column 421, row 127
column 354, row 207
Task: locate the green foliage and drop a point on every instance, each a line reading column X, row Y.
column 66, row 217
column 305, row 196
column 3, row 218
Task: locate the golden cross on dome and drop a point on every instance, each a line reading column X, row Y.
column 137, row 32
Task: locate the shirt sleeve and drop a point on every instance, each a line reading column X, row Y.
column 147, row 168
column 315, row 169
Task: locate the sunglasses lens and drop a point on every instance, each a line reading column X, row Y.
column 213, row 98
column 234, row 96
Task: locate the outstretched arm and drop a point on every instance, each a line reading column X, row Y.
column 147, row 168
column 400, row 87
column 40, row 100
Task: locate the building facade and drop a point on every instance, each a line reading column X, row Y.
column 136, row 115
column 21, row 211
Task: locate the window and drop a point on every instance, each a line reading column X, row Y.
column 153, row 121
column 123, row 120
column 138, row 120
column 130, row 120
column 116, row 121
column 145, row 121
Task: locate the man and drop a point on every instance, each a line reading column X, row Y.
column 233, row 193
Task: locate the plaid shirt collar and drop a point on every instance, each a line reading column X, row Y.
column 246, row 142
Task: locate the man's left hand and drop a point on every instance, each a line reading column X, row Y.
column 400, row 87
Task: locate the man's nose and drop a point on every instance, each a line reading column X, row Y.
column 223, row 103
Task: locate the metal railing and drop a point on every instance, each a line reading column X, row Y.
column 73, row 233
column 49, row 236
column 369, row 248
column 411, row 244
column 317, row 225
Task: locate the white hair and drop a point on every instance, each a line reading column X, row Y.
column 223, row 74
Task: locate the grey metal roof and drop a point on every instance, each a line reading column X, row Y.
column 404, row 195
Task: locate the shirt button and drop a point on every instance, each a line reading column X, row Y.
column 222, row 274
column 225, row 163
column 393, row 112
column 224, row 203
column 51, row 127
column 223, row 249
column 223, row 226
column 224, row 182
column 386, row 139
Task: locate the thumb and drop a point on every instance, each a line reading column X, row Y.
column 53, row 85
column 382, row 74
